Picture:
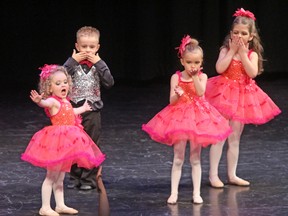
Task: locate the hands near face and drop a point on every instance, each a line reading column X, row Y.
column 80, row 56
column 35, row 96
column 194, row 72
column 237, row 45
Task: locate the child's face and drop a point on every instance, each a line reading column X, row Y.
column 88, row 44
column 241, row 32
column 192, row 60
column 59, row 85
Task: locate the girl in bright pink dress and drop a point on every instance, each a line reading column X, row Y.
column 188, row 117
column 58, row 146
column 235, row 94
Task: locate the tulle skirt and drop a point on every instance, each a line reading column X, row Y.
column 57, row 148
column 198, row 122
column 243, row 101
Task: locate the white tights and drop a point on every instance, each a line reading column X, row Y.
column 53, row 182
column 195, row 161
column 232, row 152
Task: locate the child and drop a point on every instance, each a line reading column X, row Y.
column 88, row 73
column 235, row 94
column 188, row 117
column 58, row 146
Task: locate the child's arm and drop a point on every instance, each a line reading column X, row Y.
column 102, row 69
column 200, row 83
column 85, row 107
column 226, row 55
column 250, row 63
column 74, row 61
column 38, row 99
column 224, row 59
column 175, row 91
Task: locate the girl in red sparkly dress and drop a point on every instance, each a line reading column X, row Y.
column 58, row 146
column 188, row 117
column 235, row 94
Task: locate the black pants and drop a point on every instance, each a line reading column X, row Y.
column 91, row 122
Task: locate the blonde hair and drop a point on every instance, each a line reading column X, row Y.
column 45, row 82
column 254, row 44
column 192, row 47
column 88, row 31
column 189, row 44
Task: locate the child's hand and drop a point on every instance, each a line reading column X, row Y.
column 243, row 49
column 179, row 91
column 86, row 106
column 194, row 71
column 233, row 44
column 35, row 97
column 93, row 58
column 78, row 56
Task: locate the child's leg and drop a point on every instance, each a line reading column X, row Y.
column 233, row 154
column 215, row 156
column 59, row 196
column 195, row 161
column 179, row 155
column 46, row 191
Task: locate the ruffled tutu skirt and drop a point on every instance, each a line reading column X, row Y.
column 199, row 123
column 57, row 148
column 243, row 101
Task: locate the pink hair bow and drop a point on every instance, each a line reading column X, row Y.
column 242, row 12
column 185, row 40
column 46, row 70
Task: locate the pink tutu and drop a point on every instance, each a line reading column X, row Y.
column 59, row 147
column 192, row 119
column 64, row 143
column 240, row 100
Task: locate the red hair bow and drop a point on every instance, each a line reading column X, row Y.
column 46, row 70
column 242, row 12
column 185, row 40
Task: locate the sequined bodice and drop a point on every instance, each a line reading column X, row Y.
column 65, row 116
column 190, row 94
column 235, row 71
column 188, row 88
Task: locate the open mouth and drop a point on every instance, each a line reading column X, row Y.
column 64, row 92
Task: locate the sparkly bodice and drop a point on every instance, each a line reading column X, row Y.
column 190, row 94
column 65, row 115
column 235, row 71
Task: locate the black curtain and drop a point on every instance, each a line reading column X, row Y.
column 138, row 38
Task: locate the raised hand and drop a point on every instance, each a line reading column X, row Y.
column 35, row 97
column 234, row 44
column 243, row 49
column 93, row 58
column 195, row 71
column 80, row 56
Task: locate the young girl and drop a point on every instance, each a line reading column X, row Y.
column 188, row 117
column 62, row 144
column 235, row 94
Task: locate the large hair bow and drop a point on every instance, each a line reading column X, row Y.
column 246, row 13
column 185, row 40
column 46, row 70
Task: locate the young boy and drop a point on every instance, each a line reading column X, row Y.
column 89, row 72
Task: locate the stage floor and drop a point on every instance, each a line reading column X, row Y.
column 136, row 172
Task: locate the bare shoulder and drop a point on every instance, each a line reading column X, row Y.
column 174, row 77
column 203, row 76
column 223, row 50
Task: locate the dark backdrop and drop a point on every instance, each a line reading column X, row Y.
column 138, row 38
